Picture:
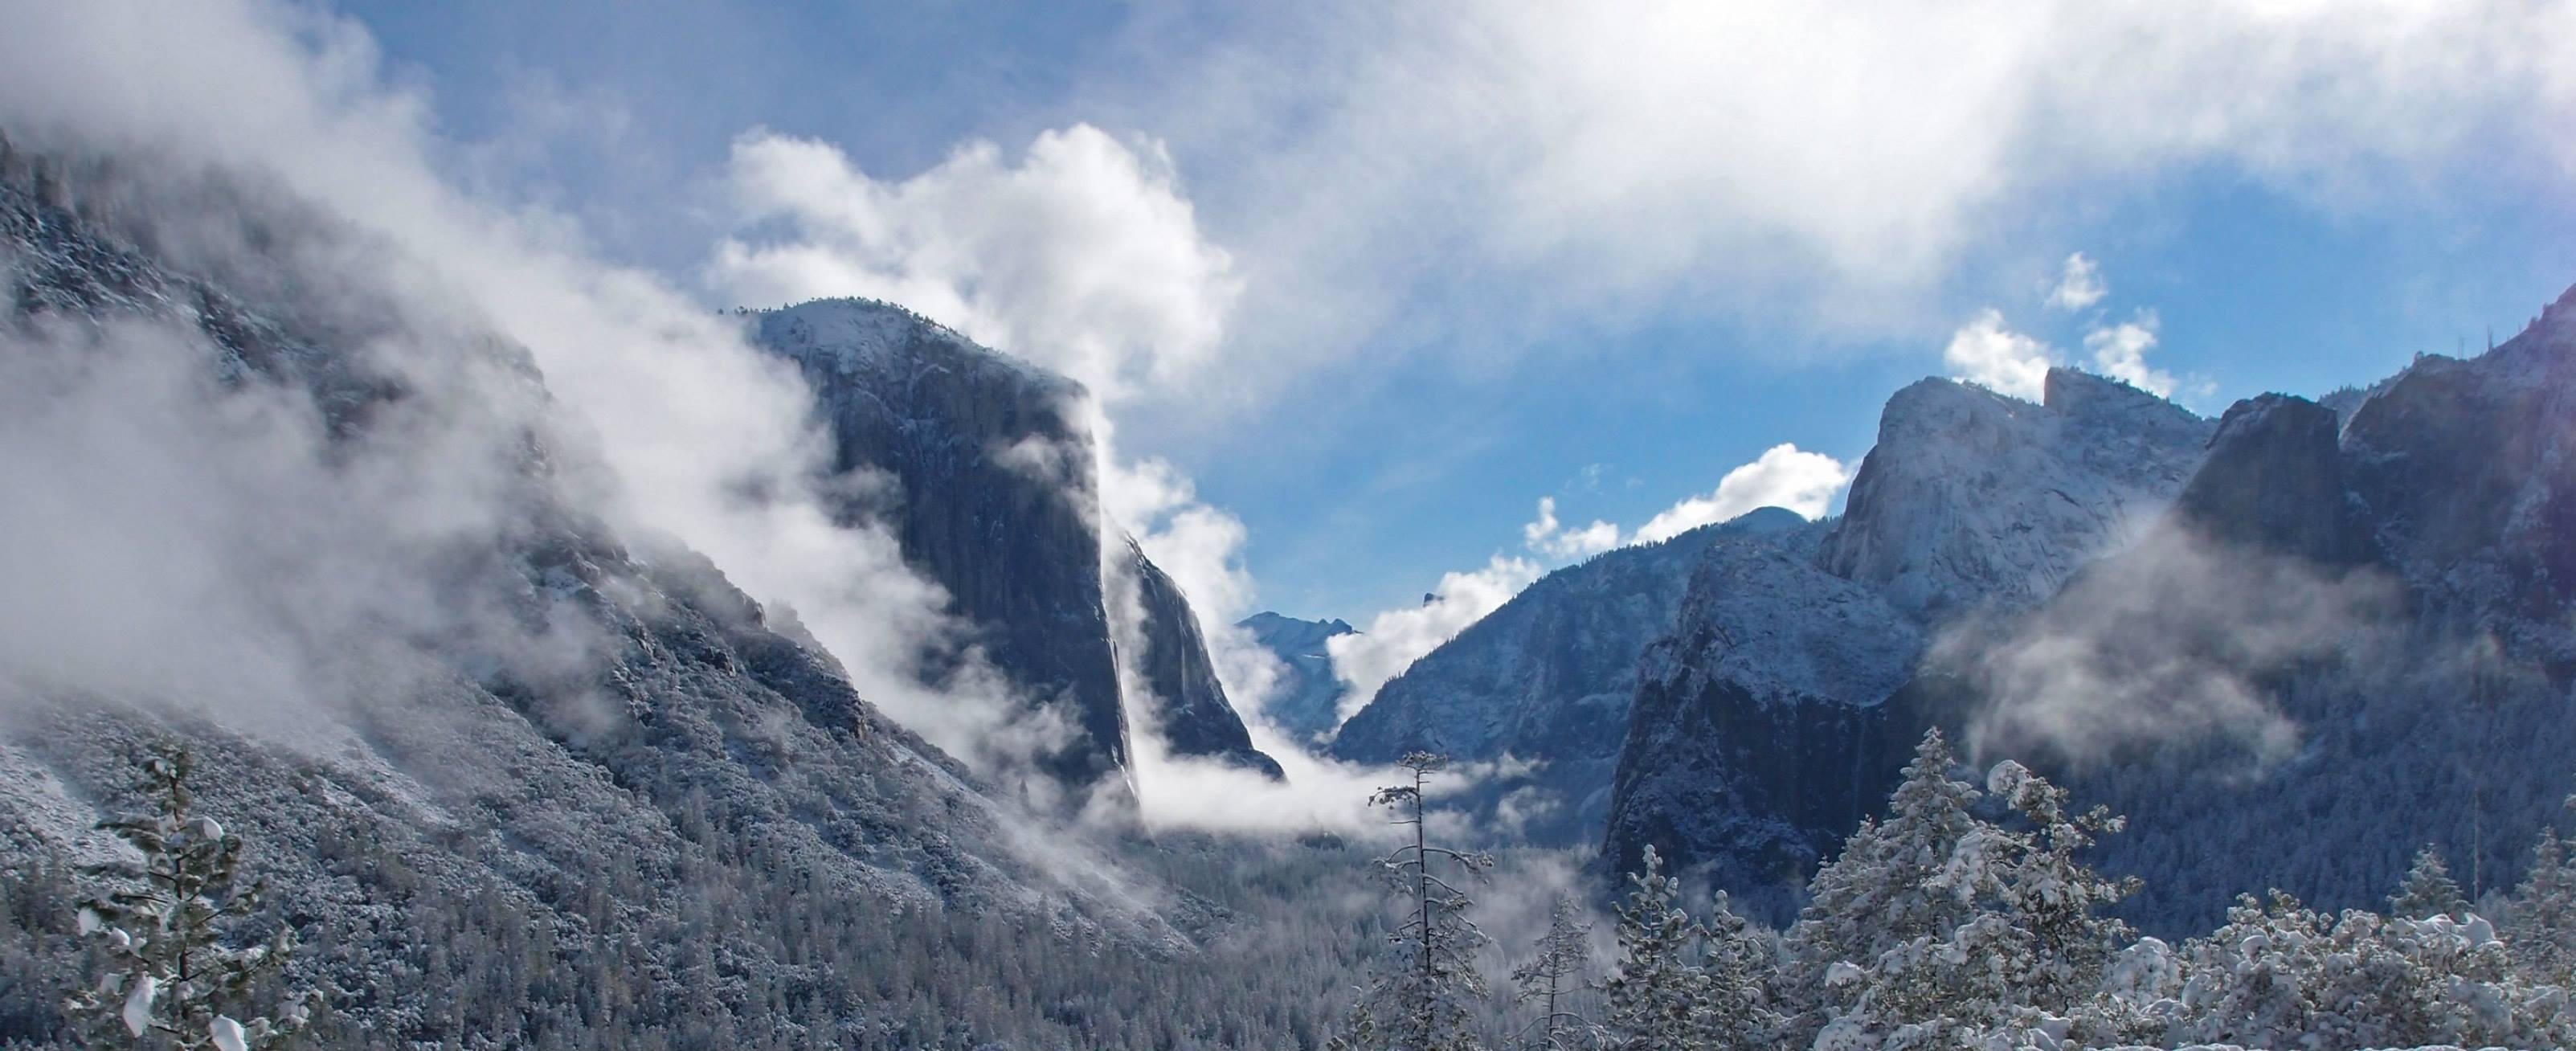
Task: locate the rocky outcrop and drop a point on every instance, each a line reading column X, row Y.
column 977, row 462
column 991, row 496
column 1971, row 498
column 1307, row 700
column 1179, row 680
column 1761, row 733
column 2273, row 481
column 2322, row 632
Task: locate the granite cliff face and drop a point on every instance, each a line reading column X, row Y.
column 2274, row 481
column 1776, row 712
column 1761, row 733
column 976, row 461
column 1190, row 704
column 1971, row 498
column 1014, row 543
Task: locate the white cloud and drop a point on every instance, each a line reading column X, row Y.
column 1084, row 256
column 1785, row 476
column 2120, row 352
column 2080, row 286
column 1527, row 165
column 1999, row 359
column 1394, row 639
column 1548, row 537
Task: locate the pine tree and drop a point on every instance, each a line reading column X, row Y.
column 1427, row 997
column 2000, row 924
column 2542, row 925
column 2051, row 899
column 1740, row 966
column 1875, row 896
column 163, row 932
column 2428, row 891
column 1659, row 999
column 1557, row 970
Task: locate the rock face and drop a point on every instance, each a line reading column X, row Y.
column 1972, row 498
column 993, row 496
column 2274, row 481
column 1760, row 735
column 1308, row 701
column 1190, row 703
column 1546, row 679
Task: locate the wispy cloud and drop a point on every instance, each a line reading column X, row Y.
column 2080, row 286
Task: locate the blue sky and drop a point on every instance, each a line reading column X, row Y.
column 1428, row 267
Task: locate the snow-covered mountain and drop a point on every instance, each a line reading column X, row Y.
column 1762, row 730
column 1308, row 700
column 2292, row 646
column 1541, row 686
column 994, row 495
column 512, row 773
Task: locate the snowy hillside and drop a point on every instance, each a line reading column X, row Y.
column 512, row 773
column 1545, row 682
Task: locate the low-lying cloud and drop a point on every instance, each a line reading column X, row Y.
column 2169, row 641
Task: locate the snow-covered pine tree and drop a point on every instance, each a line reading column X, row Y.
column 1658, row 1001
column 2005, row 924
column 172, row 980
column 1427, row 996
column 1741, row 965
column 2284, row 975
column 1875, row 896
column 2542, row 925
column 2051, row 898
column 2428, row 890
column 1564, row 953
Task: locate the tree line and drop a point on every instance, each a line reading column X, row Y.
column 1970, row 918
